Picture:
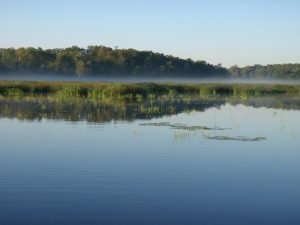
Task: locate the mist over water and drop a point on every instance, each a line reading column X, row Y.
column 134, row 79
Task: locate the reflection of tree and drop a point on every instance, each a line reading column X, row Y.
column 278, row 102
column 77, row 110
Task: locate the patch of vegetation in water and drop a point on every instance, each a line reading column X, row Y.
column 237, row 138
column 179, row 126
column 188, row 129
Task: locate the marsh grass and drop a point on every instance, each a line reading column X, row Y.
column 106, row 101
column 140, row 91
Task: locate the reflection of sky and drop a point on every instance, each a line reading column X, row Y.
column 280, row 127
column 123, row 170
column 242, row 119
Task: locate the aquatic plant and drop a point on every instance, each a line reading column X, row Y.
column 237, row 138
column 179, row 126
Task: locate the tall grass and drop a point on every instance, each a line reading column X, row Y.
column 139, row 91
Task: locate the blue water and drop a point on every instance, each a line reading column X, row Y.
column 61, row 172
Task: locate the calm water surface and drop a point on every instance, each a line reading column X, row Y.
column 129, row 172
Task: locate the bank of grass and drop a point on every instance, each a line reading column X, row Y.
column 139, row 91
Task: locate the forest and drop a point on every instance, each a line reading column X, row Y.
column 276, row 71
column 101, row 60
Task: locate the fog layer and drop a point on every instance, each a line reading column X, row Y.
column 131, row 79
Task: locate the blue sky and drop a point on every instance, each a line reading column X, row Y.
column 219, row 31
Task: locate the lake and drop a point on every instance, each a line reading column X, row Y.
column 201, row 162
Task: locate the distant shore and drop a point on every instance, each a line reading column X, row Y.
column 97, row 61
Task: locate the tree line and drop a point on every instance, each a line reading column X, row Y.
column 277, row 71
column 101, row 60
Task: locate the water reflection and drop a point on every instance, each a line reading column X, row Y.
column 192, row 163
column 99, row 112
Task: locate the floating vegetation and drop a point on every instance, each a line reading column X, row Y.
column 237, row 138
column 161, row 124
column 180, row 135
column 182, row 126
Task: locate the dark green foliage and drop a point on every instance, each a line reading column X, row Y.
column 278, row 71
column 100, row 60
